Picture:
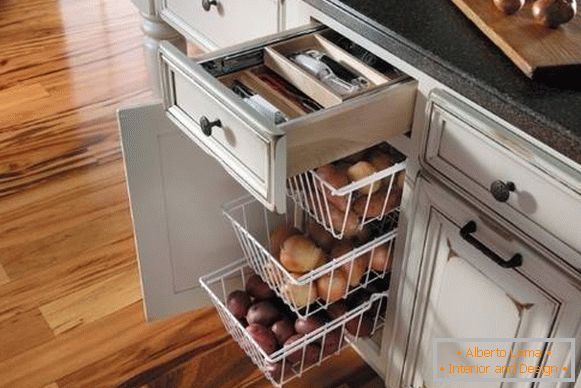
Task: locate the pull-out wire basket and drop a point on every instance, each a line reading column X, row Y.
column 303, row 293
column 291, row 361
column 344, row 210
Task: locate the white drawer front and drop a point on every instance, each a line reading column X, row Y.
column 473, row 152
column 227, row 23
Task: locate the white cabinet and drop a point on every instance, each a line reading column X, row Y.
column 458, row 290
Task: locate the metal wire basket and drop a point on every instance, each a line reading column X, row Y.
column 253, row 225
column 291, row 361
column 344, row 210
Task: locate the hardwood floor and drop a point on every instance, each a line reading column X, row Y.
column 70, row 309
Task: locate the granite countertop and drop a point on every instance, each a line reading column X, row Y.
column 435, row 37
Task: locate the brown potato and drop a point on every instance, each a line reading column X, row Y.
column 320, row 236
column 311, row 352
column 362, row 170
column 381, row 160
column 300, row 254
column 264, row 313
column 363, row 236
column 299, row 295
column 337, row 219
column 283, row 330
column 238, row 303
column 279, row 235
column 359, row 264
column 375, row 208
column 308, row 325
column 381, row 258
column 258, row 288
column 263, row 337
column 332, row 288
column 337, row 179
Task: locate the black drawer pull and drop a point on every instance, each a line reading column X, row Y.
column 466, row 233
column 207, row 4
column 207, row 125
column 501, row 190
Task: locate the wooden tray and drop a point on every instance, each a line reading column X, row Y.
column 532, row 47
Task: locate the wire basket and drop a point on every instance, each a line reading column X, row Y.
column 308, row 293
column 344, row 210
column 291, row 361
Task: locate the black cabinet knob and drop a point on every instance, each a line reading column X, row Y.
column 207, row 125
column 501, row 190
column 207, row 4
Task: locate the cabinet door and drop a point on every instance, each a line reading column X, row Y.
column 460, row 292
column 176, row 192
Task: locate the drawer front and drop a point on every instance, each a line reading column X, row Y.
column 473, row 151
column 227, row 23
column 250, row 149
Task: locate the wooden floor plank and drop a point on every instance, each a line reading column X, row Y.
column 14, row 97
column 92, row 303
column 23, row 332
column 3, row 276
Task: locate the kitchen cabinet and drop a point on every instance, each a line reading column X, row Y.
column 460, row 291
column 202, row 147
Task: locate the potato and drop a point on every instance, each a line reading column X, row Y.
column 263, row 337
column 381, row 160
column 340, row 248
column 264, row 313
column 333, row 286
column 359, row 264
column 361, row 170
column 311, row 352
column 238, row 303
column 358, row 297
column 331, row 342
column 308, row 325
column 299, row 254
column 381, row 258
column 363, row 236
column 258, row 288
column 299, row 295
column 279, row 235
column 360, row 330
column 320, row 236
column 275, row 371
column 400, row 180
column 337, row 309
column 337, row 179
column 376, row 202
column 337, row 219
column 283, row 330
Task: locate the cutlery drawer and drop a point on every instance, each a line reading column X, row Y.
column 480, row 155
column 258, row 153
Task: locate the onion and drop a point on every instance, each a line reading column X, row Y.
column 509, row 6
column 552, row 13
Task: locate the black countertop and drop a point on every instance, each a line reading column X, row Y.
column 435, row 37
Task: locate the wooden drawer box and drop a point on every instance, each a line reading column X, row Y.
column 474, row 152
column 262, row 155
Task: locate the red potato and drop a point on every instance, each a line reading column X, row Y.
column 258, row 288
column 279, row 235
column 360, row 330
column 308, row 325
column 300, row 254
column 238, row 303
column 263, row 337
column 311, row 352
column 338, row 218
column 337, row 309
column 320, row 236
column 332, row 342
column 376, row 202
column 333, row 286
column 275, row 371
column 264, row 313
column 283, row 330
column 337, row 179
column 361, row 170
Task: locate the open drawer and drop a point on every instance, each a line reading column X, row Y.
column 258, row 153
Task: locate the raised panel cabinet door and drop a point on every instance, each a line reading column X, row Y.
column 176, row 193
column 460, row 292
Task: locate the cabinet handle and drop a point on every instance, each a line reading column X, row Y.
column 466, row 234
column 501, row 190
column 207, row 125
column 207, row 4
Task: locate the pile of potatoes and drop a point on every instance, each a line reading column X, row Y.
column 273, row 326
column 301, row 253
column 352, row 169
